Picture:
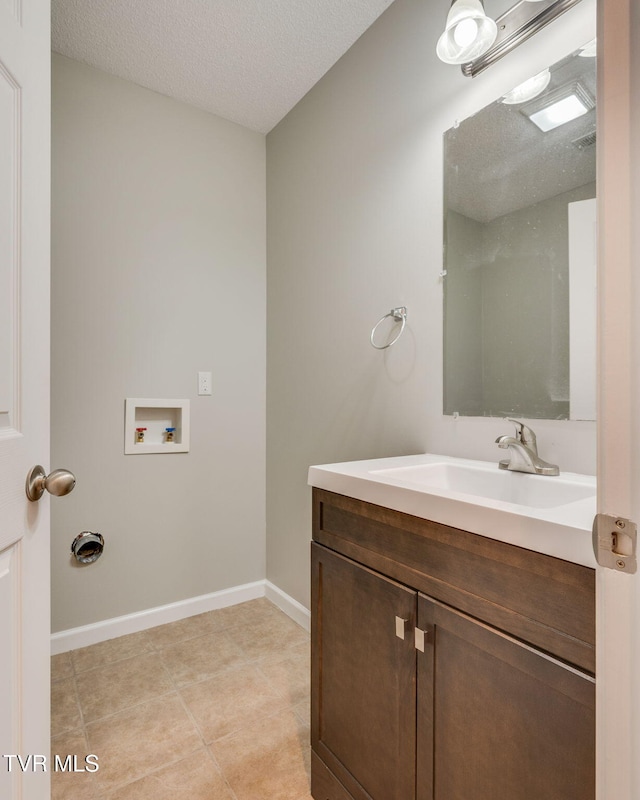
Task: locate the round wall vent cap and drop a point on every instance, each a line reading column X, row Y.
column 87, row 547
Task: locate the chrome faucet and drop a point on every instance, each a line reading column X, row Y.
column 523, row 452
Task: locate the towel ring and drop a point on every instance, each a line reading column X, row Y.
column 398, row 314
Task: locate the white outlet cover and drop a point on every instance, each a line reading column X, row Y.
column 204, row 383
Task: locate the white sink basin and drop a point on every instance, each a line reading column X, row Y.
column 492, row 483
column 548, row 514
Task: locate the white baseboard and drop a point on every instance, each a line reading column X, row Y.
column 85, row 635
column 141, row 620
column 286, row 603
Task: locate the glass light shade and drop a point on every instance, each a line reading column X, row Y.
column 528, row 89
column 469, row 33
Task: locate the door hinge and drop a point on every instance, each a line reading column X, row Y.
column 423, row 637
column 614, row 542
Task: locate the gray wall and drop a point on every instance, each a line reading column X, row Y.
column 158, row 272
column 507, row 311
column 463, row 390
column 354, row 187
column 531, row 374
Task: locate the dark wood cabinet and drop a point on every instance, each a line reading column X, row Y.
column 482, row 712
column 497, row 718
column 364, row 710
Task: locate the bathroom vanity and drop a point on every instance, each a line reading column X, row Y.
column 446, row 664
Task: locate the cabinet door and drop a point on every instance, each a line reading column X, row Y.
column 497, row 718
column 363, row 678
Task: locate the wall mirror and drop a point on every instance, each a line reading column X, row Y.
column 520, row 250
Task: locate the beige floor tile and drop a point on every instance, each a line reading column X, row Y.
column 66, row 742
column 115, row 687
column 135, row 742
column 303, row 711
column 270, row 637
column 65, row 711
column 243, row 673
column 194, row 778
column 183, row 629
column 267, row 759
column 253, row 611
column 67, row 784
column 98, row 655
column 61, row 667
column 198, row 659
column 289, row 673
column 232, row 699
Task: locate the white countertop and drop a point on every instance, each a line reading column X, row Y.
column 548, row 525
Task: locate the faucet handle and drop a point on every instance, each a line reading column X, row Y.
column 525, row 435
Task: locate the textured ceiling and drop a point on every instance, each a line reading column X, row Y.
column 249, row 61
column 498, row 161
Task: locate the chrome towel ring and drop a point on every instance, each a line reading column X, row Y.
column 399, row 315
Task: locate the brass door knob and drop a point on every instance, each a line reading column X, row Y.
column 58, row 482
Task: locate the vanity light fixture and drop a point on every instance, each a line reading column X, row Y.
column 560, row 106
column 463, row 43
column 528, row 89
column 469, row 32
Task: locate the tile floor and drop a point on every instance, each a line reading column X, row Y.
column 215, row 706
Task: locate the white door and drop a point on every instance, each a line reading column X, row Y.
column 618, row 594
column 24, row 394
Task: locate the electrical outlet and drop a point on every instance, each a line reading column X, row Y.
column 204, row 383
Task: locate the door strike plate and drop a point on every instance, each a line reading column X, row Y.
column 614, row 542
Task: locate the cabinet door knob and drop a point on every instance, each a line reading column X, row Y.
column 401, row 625
column 422, row 637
